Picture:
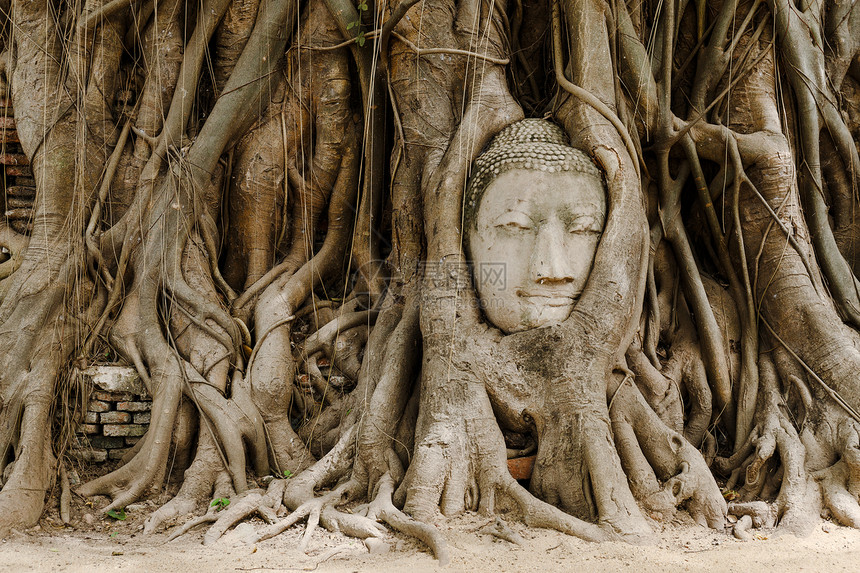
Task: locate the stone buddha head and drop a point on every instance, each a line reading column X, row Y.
column 534, row 213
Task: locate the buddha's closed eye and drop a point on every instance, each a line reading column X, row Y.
column 585, row 224
column 514, row 221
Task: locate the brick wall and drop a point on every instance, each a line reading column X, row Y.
column 118, row 414
column 18, row 183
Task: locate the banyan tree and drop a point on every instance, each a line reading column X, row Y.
column 361, row 253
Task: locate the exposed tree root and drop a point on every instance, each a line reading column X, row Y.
column 204, row 479
column 255, row 501
column 687, row 479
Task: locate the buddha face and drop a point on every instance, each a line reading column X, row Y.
column 544, row 227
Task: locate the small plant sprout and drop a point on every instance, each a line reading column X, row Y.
column 220, row 503
column 118, row 514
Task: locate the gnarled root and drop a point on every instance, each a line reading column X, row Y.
column 382, row 509
column 796, row 505
column 206, row 477
column 264, row 503
column 460, row 464
column 299, row 496
column 651, row 450
column 838, row 482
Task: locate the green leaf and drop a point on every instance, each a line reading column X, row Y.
column 117, row 514
column 288, row 474
column 350, row 26
column 220, row 502
column 360, row 39
column 114, row 534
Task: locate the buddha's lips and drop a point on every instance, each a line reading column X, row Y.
column 548, row 298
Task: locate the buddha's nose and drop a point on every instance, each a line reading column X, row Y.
column 550, row 263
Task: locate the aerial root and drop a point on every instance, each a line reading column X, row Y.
column 687, row 478
column 198, row 309
column 797, row 502
column 233, row 421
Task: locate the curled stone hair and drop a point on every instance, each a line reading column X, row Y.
column 535, row 144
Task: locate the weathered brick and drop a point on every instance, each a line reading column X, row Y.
column 13, row 159
column 132, row 440
column 89, row 455
column 25, row 182
column 98, row 406
column 117, row 454
column 90, row 428
column 112, row 378
column 134, row 406
column 111, row 396
column 21, row 191
column 115, row 418
column 91, row 418
column 106, row 442
column 19, row 170
column 123, row 430
column 142, row 417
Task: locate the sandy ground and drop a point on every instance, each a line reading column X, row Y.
column 119, row 546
